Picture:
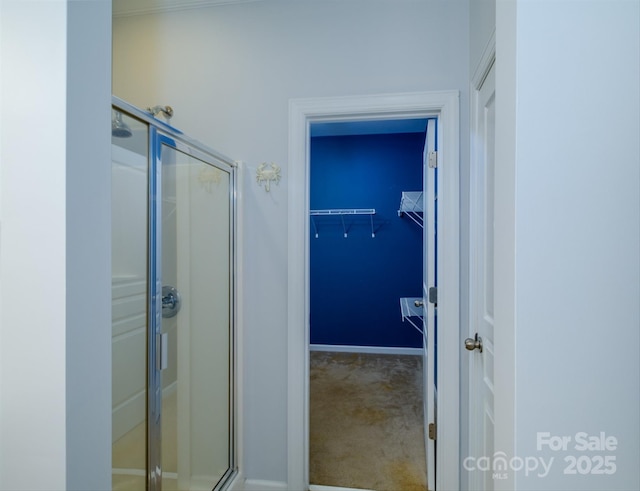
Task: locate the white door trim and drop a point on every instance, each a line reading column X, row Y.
column 302, row 112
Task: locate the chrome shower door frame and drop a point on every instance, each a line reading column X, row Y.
column 160, row 134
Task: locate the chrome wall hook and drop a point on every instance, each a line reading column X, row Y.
column 166, row 111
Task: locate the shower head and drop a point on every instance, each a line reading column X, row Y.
column 119, row 128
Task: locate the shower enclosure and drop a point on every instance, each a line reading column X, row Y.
column 173, row 229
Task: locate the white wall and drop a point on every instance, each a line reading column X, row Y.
column 27, row 171
column 482, row 15
column 88, row 244
column 229, row 73
column 570, row 149
column 54, row 247
column 504, row 235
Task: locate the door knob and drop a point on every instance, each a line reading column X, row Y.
column 472, row 344
column 418, row 303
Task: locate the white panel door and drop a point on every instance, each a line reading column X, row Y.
column 480, row 336
column 428, row 281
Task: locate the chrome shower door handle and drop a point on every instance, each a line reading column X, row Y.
column 162, row 351
column 171, row 301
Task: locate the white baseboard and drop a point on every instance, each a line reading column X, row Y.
column 237, row 482
column 378, row 350
column 261, row 485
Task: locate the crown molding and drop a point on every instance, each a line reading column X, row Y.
column 129, row 8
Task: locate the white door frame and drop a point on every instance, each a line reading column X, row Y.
column 444, row 105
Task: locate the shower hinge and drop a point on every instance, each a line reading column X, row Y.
column 433, row 159
column 432, row 431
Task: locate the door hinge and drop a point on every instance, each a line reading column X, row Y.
column 433, row 295
column 432, row 159
column 432, row 431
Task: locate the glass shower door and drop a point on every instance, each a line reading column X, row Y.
column 130, row 291
column 173, row 229
column 194, row 341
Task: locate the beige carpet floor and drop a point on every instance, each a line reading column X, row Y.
column 366, row 422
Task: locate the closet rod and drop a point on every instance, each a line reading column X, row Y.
column 341, row 213
column 352, row 211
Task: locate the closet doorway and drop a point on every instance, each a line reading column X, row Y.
column 303, row 114
column 367, row 216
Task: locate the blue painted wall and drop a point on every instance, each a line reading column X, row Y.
column 356, row 282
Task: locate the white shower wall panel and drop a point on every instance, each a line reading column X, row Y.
column 129, row 213
column 128, row 353
column 129, row 289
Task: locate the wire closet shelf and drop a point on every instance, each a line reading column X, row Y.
column 342, row 212
column 411, row 205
